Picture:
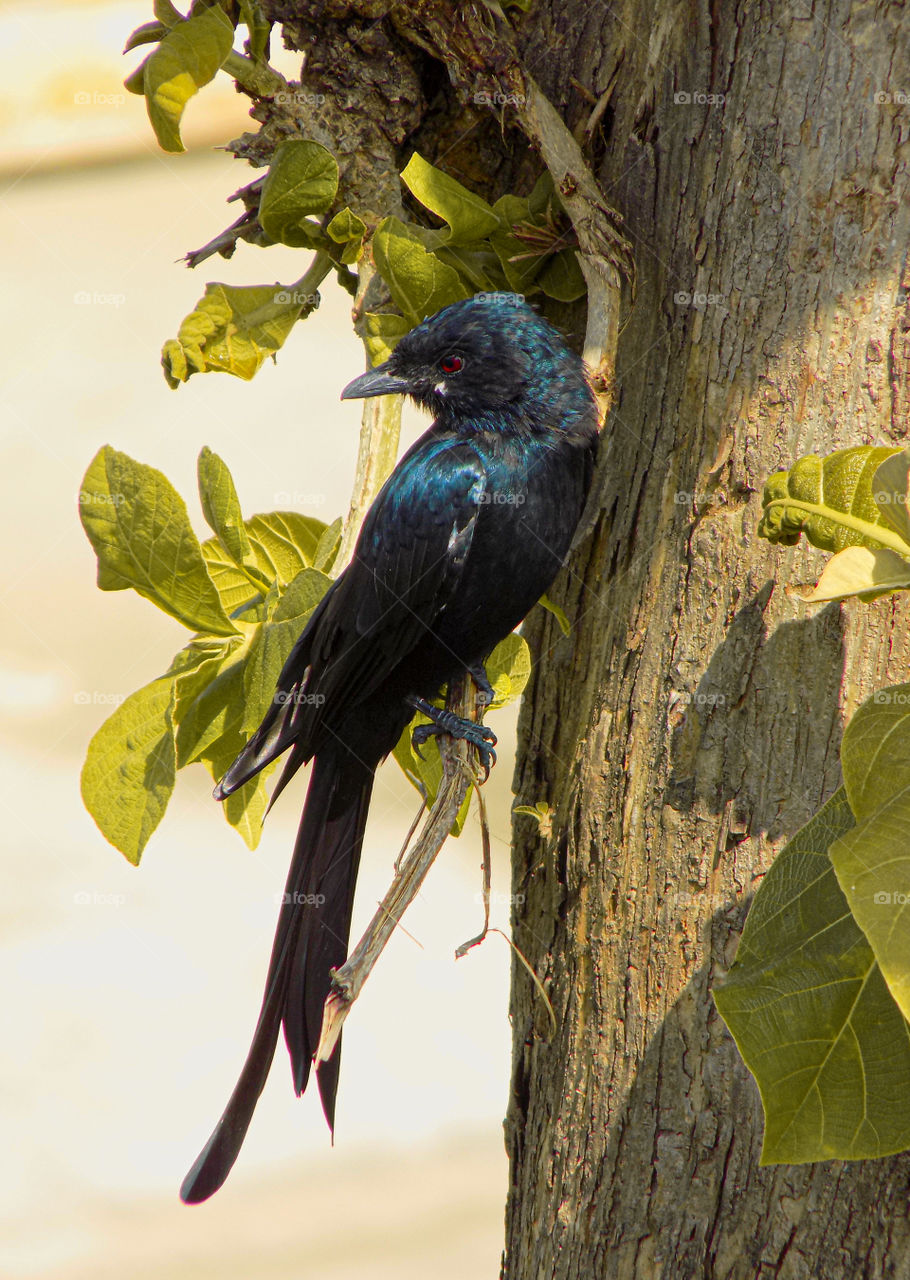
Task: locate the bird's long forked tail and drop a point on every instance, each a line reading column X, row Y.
column 311, row 939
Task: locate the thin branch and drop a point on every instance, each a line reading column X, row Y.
column 487, row 873
column 408, row 838
column 245, row 228
column 458, row 774
column 604, row 253
column 380, row 431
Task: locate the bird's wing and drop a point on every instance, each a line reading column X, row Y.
column 405, row 570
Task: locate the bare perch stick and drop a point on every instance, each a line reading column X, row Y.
column 379, row 433
column 348, row 980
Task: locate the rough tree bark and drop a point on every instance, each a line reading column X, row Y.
column 690, row 723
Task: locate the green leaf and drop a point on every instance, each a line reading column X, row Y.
column 130, row 768
column 234, row 330
column 302, row 179
column 468, row 215
column 558, row 613
column 347, row 230
column 282, row 543
column 259, row 29
column 383, row 330
column 875, row 752
column 891, row 491
column 872, row 863
column 329, row 544
column 419, row 283
column 542, row 815
column 139, row 527
column 135, row 81
column 221, row 508
column 246, row 808
column 857, row 571
column 273, row 643
column 520, row 268
column 543, row 195
column 195, row 666
column 562, row 277
column 187, row 58
column 831, row 501
column 166, row 14
column 148, row 33
column 508, row 668
column 300, row 598
column 217, row 709
column 812, row 1016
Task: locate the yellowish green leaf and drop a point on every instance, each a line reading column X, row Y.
column 187, row 58
column 233, row 330
column 830, row 500
column 130, row 767
column 302, row 180
column 139, row 527
column 467, row 214
column 419, row 283
column 857, row 571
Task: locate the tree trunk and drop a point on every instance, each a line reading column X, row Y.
column 690, row 723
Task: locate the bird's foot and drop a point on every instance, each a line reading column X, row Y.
column 480, row 737
column 478, row 674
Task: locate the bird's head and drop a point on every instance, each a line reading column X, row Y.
column 488, row 361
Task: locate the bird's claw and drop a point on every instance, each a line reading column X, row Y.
column 481, row 738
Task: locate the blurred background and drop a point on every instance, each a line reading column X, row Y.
column 130, row 995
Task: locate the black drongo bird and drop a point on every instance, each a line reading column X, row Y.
column 465, row 535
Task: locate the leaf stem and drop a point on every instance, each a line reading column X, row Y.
column 258, row 78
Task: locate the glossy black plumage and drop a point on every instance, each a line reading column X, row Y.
column 466, row 534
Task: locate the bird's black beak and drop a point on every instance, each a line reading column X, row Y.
column 376, row 382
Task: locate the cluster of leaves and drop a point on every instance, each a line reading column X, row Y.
column 517, row 244
column 189, row 53
column 246, row 594
column 818, row 999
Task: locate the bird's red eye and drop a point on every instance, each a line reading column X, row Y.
column 451, row 364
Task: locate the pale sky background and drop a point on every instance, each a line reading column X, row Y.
column 127, row 1015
